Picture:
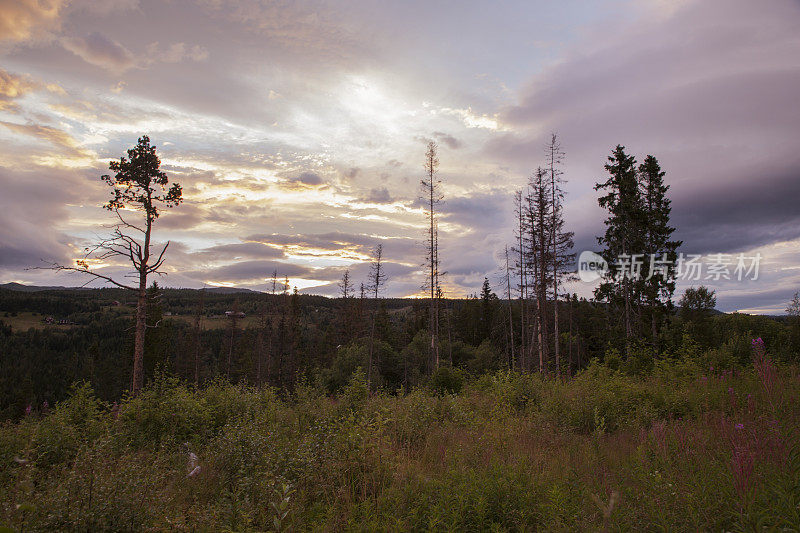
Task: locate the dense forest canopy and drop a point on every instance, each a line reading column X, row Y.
column 312, row 338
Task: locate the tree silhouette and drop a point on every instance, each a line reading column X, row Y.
column 137, row 185
column 432, row 191
column 659, row 277
column 377, row 278
column 624, row 236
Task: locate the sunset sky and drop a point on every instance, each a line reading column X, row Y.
column 298, row 130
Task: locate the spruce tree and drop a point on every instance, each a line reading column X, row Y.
column 487, row 311
column 624, row 238
column 658, row 283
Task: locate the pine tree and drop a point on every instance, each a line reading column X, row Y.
column 138, row 185
column 660, row 252
column 487, row 311
column 537, row 256
column 624, row 236
column 156, row 350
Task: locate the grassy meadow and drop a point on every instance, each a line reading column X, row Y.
column 682, row 447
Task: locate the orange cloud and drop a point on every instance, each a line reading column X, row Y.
column 21, row 19
column 55, row 136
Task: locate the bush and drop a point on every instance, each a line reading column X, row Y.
column 447, row 380
column 167, row 413
column 74, row 421
column 510, row 451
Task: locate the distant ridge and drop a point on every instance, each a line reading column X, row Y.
column 19, row 287
column 226, row 290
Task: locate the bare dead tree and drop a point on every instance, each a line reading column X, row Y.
column 431, row 188
column 555, row 156
column 521, row 266
column 377, row 279
column 346, row 291
column 510, row 312
column 274, row 281
column 346, row 286
column 138, row 185
column 560, row 241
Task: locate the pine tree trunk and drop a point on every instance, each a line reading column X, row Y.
column 628, row 331
column 141, row 327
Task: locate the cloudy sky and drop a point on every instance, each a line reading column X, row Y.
column 298, row 129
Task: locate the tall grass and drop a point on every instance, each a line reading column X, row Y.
column 682, row 447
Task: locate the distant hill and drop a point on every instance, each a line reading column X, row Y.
column 19, row 287
column 229, row 290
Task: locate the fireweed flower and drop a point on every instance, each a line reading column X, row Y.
column 740, row 426
column 764, row 367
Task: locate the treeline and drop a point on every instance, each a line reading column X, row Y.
column 322, row 341
column 281, row 337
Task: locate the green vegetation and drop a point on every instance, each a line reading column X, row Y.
column 250, row 412
column 679, row 447
column 287, row 339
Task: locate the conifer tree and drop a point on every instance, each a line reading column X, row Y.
column 138, row 185
column 538, row 251
column 624, row 238
column 487, row 311
column 660, row 252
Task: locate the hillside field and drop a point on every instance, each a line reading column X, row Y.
column 684, row 447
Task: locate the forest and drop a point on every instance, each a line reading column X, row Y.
column 141, row 407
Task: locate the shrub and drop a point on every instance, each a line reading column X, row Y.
column 447, row 380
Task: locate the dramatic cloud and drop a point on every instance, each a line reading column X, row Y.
column 298, row 129
column 25, row 208
column 21, row 19
column 174, row 53
column 99, row 50
column 378, row 196
column 305, row 180
column 448, row 140
column 710, row 89
column 59, row 138
column 12, row 87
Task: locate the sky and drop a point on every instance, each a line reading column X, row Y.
column 298, row 131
